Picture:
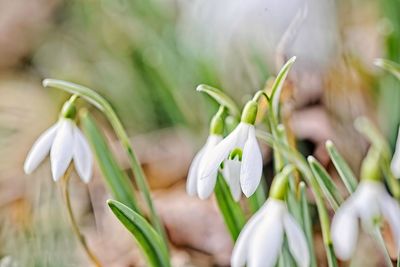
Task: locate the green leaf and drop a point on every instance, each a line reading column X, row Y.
column 343, row 169
column 326, row 183
column 388, row 65
column 307, row 223
column 231, row 211
column 330, row 254
column 222, row 98
column 278, row 85
column 116, row 180
column 258, row 198
column 147, row 238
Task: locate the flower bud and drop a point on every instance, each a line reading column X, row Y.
column 280, row 183
column 217, row 125
column 370, row 166
column 249, row 113
column 69, row 109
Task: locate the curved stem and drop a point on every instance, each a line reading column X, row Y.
column 103, row 105
column 72, row 219
column 260, row 93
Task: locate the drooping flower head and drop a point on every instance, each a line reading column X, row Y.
column 204, row 186
column 368, row 203
column 260, row 242
column 65, row 141
column 241, row 153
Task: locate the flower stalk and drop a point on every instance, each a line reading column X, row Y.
column 75, row 227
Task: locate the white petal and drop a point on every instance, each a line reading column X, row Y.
column 266, row 245
column 391, row 211
column 251, row 171
column 191, row 183
column 195, row 167
column 297, row 241
column 240, row 251
column 205, row 185
column 210, row 144
column 345, row 230
column 395, row 164
column 231, row 174
column 62, row 148
column 214, row 157
column 83, row 158
column 366, row 200
column 40, row 149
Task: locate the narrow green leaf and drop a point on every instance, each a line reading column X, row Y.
column 388, row 65
column 278, row 84
column 343, row 169
column 222, row 98
column 116, row 180
column 332, row 261
column 231, row 211
column 292, row 200
column 258, row 198
column 326, row 183
column 147, row 238
column 307, row 223
column 286, row 258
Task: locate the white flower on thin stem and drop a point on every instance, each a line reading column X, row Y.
column 65, row 141
column 203, row 188
column 369, row 202
column 260, row 242
column 243, row 137
column 395, row 164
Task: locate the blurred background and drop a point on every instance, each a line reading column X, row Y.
column 147, row 57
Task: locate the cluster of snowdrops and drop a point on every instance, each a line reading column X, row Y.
column 279, row 230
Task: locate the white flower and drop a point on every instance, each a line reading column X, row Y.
column 395, row 164
column 65, row 141
column 369, row 202
column 202, row 187
column 243, row 138
column 260, row 242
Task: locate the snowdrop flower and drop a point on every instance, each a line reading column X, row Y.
column 395, row 164
column 242, row 144
column 202, row 187
column 368, row 203
column 260, row 242
column 65, row 141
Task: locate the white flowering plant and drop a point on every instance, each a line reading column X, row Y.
column 279, row 231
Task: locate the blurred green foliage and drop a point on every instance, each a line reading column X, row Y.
column 129, row 51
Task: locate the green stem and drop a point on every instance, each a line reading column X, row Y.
column 98, row 101
column 260, row 93
column 72, row 219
